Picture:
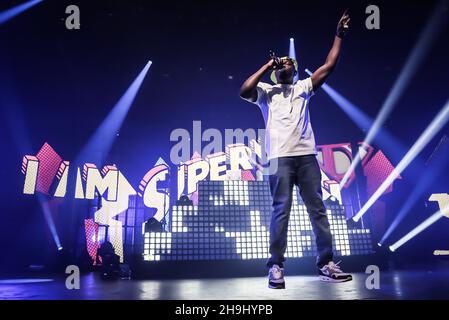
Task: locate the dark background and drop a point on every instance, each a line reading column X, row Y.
column 57, row 85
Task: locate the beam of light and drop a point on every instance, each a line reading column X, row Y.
column 387, row 141
column 101, row 141
column 423, row 45
column 361, row 119
column 437, row 123
column 427, row 179
column 8, row 14
column 12, row 110
column 441, row 253
column 292, row 54
column 11, row 106
column 23, row 281
column 49, row 219
column 421, row 227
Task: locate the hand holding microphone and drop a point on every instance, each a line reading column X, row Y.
column 275, row 62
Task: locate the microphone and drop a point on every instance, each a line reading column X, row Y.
column 277, row 60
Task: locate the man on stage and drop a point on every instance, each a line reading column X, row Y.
column 290, row 141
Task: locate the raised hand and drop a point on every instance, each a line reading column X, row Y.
column 343, row 24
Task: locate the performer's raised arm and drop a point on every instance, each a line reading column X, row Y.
column 321, row 74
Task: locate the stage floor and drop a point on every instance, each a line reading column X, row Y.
column 393, row 285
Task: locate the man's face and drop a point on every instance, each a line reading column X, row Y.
column 287, row 72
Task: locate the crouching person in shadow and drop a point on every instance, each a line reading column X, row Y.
column 110, row 262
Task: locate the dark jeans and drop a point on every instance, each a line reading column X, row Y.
column 304, row 172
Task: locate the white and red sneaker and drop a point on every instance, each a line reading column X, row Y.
column 276, row 277
column 331, row 272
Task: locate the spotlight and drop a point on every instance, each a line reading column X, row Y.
column 101, row 141
column 292, row 54
column 433, row 171
column 387, row 141
column 441, row 253
column 60, row 248
column 391, row 248
column 362, row 120
column 49, row 219
column 379, row 244
column 417, row 230
column 437, row 123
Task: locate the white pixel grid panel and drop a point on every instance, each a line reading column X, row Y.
column 232, row 221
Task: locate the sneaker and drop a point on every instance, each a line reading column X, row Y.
column 331, row 272
column 276, row 277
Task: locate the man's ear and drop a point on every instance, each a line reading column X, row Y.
column 295, row 73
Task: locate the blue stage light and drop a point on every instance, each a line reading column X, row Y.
column 421, row 227
column 101, row 141
column 384, row 139
column 362, row 120
column 423, row 45
column 420, row 188
column 7, row 15
column 292, row 54
column 23, row 281
column 49, row 219
column 437, row 123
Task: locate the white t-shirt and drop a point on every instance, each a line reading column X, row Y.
column 285, row 110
